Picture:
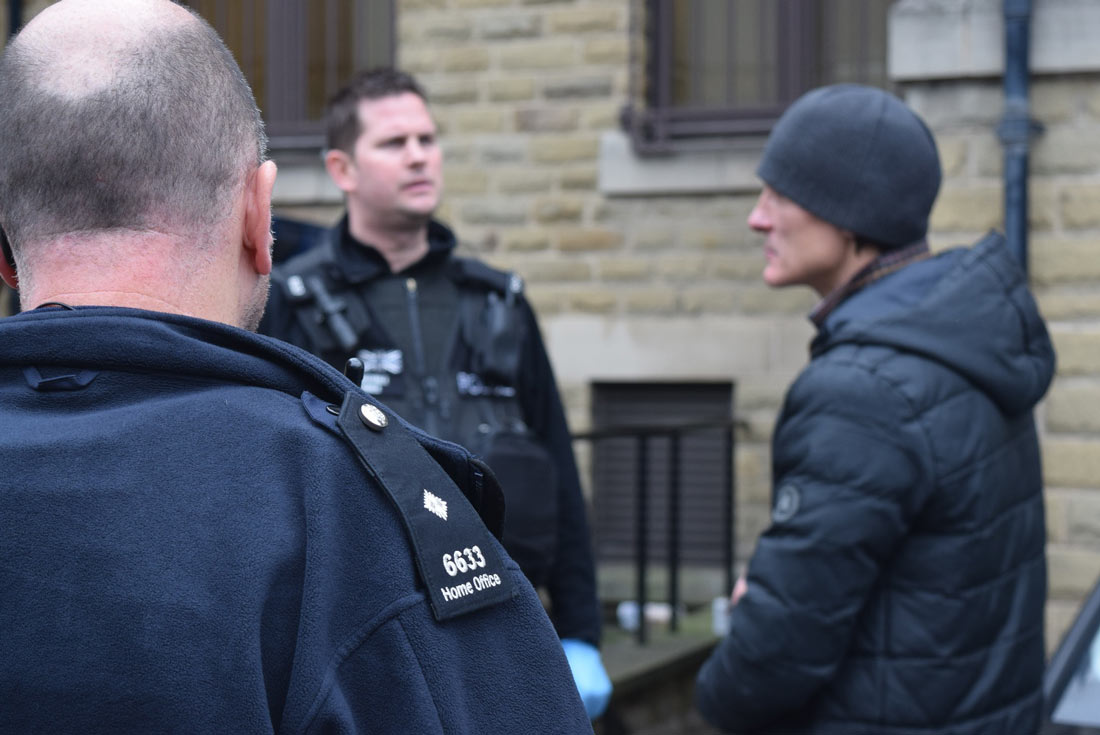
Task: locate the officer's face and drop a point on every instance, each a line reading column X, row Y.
column 800, row 248
column 396, row 166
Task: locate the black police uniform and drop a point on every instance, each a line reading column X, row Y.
column 206, row 530
column 452, row 345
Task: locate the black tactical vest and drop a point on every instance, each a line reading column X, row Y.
column 442, row 347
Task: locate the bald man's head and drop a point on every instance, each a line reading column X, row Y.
column 124, row 114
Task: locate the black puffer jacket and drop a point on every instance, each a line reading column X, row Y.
column 901, row 585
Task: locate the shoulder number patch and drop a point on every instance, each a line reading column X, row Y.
column 459, row 561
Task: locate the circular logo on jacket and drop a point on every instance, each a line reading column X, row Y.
column 787, row 500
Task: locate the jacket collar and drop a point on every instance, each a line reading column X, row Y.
column 119, row 338
column 360, row 262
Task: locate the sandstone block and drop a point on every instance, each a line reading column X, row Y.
column 586, row 20
column 754, row 484
column 505, row 27
column 578, row 88
column 607, row 51
column 1078, row 351
column 682, row 267
column 1072, row 571
column 1081, row 206
column 451, row 91
column 601, row 117
column 591, row 301
column 555, row 119
column 709, row 300
column 1083, row 520
column 525, row 241
column 545, row 270
column 757, row 298
column 1071, row 463
column 584, row 239
column 1069, row 303
column 953, row 151
column 624, row 269
column 974, row 208
column 464, row 59
column 1055, row 503
column 654, row 300
column 556, row 210
column 555, row 149
column 1067, row 150
column 539, row 55
column 522, row 181
column 1055, row 260
column 466, row 180
column 1073, row 407
column 477, row 119
column 498, row 150
column 511, row 89
column 495, row 213
column 439, row 27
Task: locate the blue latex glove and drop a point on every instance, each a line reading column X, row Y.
column 589, row 675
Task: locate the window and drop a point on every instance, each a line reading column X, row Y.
column 720, row 68
column 704, row 461
column 296, row 54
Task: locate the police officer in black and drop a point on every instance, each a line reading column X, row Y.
column 203, row 529
column 447, row 342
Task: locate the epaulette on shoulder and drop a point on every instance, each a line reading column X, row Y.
column 471, row 270
column 460, row 562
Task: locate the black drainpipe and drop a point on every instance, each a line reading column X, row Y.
column 1017, row 127
column 15, row 16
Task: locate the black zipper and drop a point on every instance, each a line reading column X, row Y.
column 429, row 386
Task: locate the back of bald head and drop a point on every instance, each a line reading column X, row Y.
column 130, row 115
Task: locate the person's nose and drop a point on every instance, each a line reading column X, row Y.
column 759, row 217
column 414, row 153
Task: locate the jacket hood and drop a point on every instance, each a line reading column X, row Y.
column 969, row 309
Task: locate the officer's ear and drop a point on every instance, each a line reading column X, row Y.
column 341, row 169
column 7, row 267
column 257, row 216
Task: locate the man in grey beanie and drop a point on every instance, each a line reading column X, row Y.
column 900, row 586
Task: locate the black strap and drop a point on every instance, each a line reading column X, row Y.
column 458, row 558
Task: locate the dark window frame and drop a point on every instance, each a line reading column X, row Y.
column 285, row 66
column 658, row 125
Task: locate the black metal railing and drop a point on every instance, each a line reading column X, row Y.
column 674, row 433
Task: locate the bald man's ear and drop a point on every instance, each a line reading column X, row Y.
column 257, row 216
column 7, row 263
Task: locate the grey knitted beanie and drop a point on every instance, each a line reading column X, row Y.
column 858, row 158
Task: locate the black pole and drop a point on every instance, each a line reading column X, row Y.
column 1017, row 128
column 728, row 496
column 674, row 527
column 15, row 16
column 640, row 537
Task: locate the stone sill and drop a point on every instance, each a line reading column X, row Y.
column 622, row 172
column 960, row 39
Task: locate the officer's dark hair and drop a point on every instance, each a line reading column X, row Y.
column 342, row 123
column 163, row 142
